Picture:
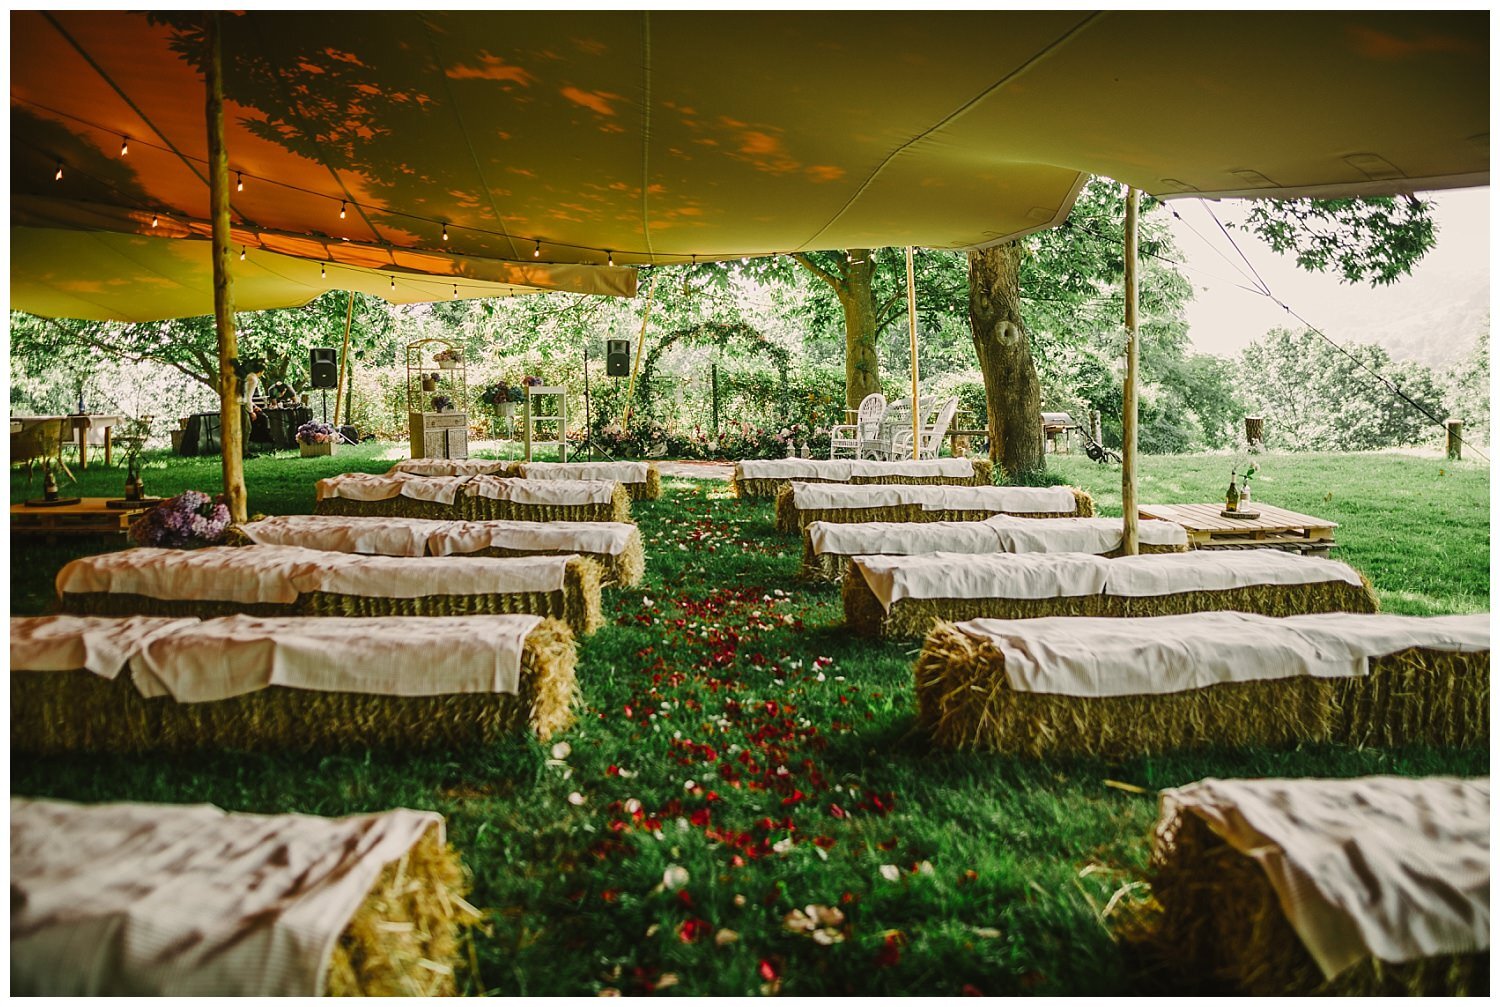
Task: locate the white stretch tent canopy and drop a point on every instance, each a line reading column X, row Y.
column 461, row 146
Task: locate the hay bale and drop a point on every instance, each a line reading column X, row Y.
column 78, row 711
column 909, row 617
column 767, row 489
column 396, row 506
column 625, row 569
column 794, row 521
column 830, row 567
column 914, row 617
column 964, row 701
column 404, row 938
column 578, row 603
column 1222, row 918
column 482, row 508
column 1417, row 697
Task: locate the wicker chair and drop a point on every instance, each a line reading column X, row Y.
column 932, row 434
column 848, row 436
column 40, row 442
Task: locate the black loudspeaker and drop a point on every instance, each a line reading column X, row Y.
column 325, row 367
column 617, row 358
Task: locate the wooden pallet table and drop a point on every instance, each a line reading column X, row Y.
column 90, row 516
column 1276, row 528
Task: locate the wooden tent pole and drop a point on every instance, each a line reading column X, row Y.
column 911, row 318
column 640, row 345
column 1130, row 421
column 231, row 428
column 338, row 395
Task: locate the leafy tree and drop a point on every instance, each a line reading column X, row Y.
column 1466, row 391
column 1314, row 397
column 1374, row 238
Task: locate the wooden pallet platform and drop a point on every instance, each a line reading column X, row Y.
column 1275, row 528
column 90, row 516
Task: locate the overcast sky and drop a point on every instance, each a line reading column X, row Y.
column 1223, row 318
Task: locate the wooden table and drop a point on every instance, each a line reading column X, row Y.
column 1276, row 528
column 83, row 424
column 89, row 516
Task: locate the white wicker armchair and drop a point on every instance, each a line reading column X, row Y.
column 849, row 436
column 932, row 434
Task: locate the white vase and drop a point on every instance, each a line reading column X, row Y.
column 806, row 451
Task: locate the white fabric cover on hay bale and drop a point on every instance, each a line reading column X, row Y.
column 287, row 580
column 1375, row 885
column 188, row 900
column 764, row 478
column 451, row 467
column 801, row 503
column 615, row 546
column 473, row 497
column 641, row 479
column 96, row 683
column 1127, row 687
column 827, row 546
column 905, row 595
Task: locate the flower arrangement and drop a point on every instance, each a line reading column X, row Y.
column 451, row 356
column 441, row 403
column 495, row 394
column 532, row 381
column 186, row 521
column 313, row 432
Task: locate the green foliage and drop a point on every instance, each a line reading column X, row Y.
column 1315, row 398
column 1374, row 238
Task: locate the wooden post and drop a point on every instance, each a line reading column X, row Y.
column 338, row 395
column 1255, row 432
column 1096, row 427
column 1132, row 366
column 1455, row 438
column 911, row 318
column 231, row 428
column 636, row 364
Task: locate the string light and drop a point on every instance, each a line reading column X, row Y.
column 242, row 253
column 343, row 208
column 445, row 232
column 124, row 145
column 154, row 220
column 455, row 291
column 239, row 180
column 323, row 272
column 393, row 283
column 58, row 176
column 611, row 256
column 536, row 253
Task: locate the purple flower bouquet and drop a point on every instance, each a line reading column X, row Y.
column 186, row 521
column 313, row 432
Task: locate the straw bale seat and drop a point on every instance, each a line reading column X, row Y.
column 799, row 504
column 150, row 684
column 615, row 546
column 1375, row 886
column 272, row 580
column 188, row 900
column 642, row 480
column 1121, row 688
column 903, row 596
column 452, row 467
column 764, row 479
column 828, row 547
column 472, row 497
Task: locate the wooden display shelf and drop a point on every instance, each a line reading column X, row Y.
column 1275, row 528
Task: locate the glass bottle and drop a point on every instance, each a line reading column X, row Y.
column 1232, row 497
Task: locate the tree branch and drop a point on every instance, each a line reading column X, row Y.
column 833, row 281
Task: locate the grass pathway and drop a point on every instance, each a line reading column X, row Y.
column 738, row 759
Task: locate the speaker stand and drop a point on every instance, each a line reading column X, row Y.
column 588, row 448
column 325, row 406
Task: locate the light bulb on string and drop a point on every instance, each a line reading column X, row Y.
column 242, row 253
column 155, row 220
column 445, row 232
column 611, row 256
column 536, row 253
column 343, row 209
column 58, row 176
column 323, row 272
column 239, row 182
column 455, row 291
column 393, row 283
column 124, row 145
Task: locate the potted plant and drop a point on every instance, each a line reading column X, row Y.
column 449, row 358
column 497, row 396
column 315, row 439
column 441, row 404
column 429, row 382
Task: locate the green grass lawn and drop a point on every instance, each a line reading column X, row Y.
column 732, row 728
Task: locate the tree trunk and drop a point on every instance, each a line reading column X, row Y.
column 1013, row 394
column 857, row 295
